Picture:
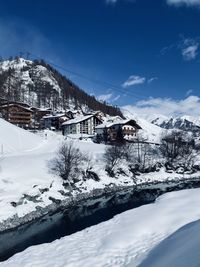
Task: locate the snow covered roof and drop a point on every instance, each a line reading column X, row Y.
column 54, row 116
column 15, row 104
column 109, row 124
column 41, row 109
column 77, row 120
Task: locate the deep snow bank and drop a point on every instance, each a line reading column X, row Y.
column 181, row 249
column 15, row 139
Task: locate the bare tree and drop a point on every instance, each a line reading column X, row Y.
column 67, row 163
column 112, row 156
column 141, row 156
column 176, row 144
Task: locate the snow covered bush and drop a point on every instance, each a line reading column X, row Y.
column 68, row 163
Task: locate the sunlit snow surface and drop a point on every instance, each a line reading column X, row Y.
column 124, row 240
column 179, row 249
column 23, row 169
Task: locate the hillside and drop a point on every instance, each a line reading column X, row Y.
column 150, row 131
column 15, row 139
column 40, row 85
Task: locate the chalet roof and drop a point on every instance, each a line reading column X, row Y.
column 72, row 111
column 109, row 124
column 17, row 105
column 5, row 101
column 78, row 119
column 42, row 109
column 54, row 116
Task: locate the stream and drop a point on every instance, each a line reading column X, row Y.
column 83, row 214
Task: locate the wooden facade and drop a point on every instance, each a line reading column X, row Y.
column 17, row 114
column 40, row 113
column 128, row 129
column 53, row 121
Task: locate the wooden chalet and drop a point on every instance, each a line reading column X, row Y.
column 40, row 113
column 128, row 129
column 17, row 114
column 54, row 121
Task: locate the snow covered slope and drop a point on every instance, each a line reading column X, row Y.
column 15, row 139
column 24, row 170
column 179, row 249
column 25, row 180
column 123, row 241
column 150, row 131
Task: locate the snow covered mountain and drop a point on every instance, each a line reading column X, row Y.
column 181, row 122
column 38, row 84
column 186, row 123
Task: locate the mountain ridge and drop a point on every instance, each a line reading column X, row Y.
column 38, row 84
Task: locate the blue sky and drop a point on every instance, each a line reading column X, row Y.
column 145, row 53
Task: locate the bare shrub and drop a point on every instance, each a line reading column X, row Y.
column 176, row 144
column 68, row 163
column 139, row 156
column 142, row 156
column 112, row 156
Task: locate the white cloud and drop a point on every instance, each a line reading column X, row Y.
column 116, row 98
column 133, row 80
column 166, row 106
column 115, row 1
column 152, row 79
column 111, row 1
column 108, row 97
column 184, row 2
column 190, row 49
column 189, row 92
column 105, row 97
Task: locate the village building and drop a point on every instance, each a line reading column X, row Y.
column 73, row 113
column 4, row 101
column 39, row 113
column 111, row 130
column 81, row 125
column 53, row 122
column 98, row 114
column 70, row 114
column 19, row 115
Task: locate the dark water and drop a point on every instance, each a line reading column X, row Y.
column 67, row 222
column 82, row 215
